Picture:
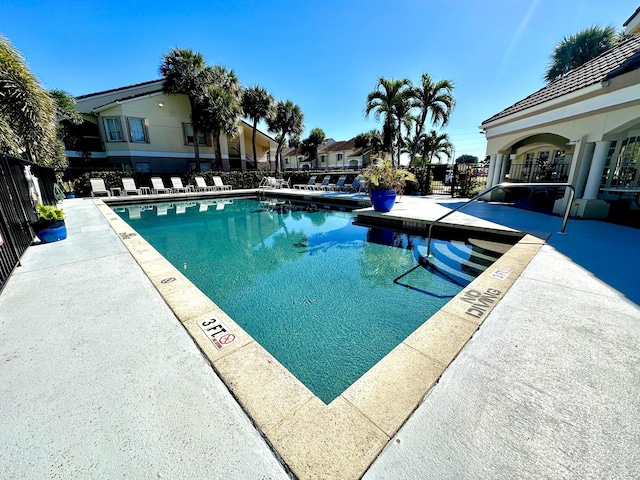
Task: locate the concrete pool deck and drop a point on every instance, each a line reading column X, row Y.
column 548, row 384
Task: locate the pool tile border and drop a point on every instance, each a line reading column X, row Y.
column 342, row 439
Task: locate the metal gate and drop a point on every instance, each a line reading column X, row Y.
column 16, row 210
column 467, row 179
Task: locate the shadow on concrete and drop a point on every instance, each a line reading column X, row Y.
column 608, row 251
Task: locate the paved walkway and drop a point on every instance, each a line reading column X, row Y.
column 98, row 379
column 111, row 386
column 549, row 387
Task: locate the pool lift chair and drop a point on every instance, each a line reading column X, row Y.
column 157, row 186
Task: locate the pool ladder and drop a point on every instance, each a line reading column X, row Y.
column 572, row 192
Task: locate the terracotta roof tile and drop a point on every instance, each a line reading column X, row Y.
column 116, row 89
column 591, row 73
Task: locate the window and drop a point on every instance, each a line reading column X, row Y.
column 528, row 160
column 233, row 145
column 138, row 130
column 286, row 160
column 113, row 129
column 338, row 158
column 323, row 158
column 188, row 135
column 143, row 167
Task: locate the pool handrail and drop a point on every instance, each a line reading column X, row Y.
column 572, row 192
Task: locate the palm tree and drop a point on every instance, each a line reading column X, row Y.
column 576, row 50
column 384, row 102
column 312, row 142
column 433, row 99
column 257, row 104
column 186, row 73
column 434, row 144
column 221, row 106
column 28, row 123
column 287, row 121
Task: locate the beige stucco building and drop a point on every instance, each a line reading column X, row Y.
column 332, row 155
column 139, row 128
column 583, row 128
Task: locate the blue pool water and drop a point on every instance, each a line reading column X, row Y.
column 311, row 287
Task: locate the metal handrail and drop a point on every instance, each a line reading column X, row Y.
column 572, row 192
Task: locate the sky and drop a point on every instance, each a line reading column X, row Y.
column 325, row 56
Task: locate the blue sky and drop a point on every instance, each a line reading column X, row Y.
column 325, row 56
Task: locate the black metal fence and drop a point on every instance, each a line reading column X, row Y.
column 17, row 211
column 537, row 173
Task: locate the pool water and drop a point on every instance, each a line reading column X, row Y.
column 312, row 288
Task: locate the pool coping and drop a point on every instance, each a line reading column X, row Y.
column 342, row 439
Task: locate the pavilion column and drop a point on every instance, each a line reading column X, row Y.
column 498, row 170
column 595, row 171
column 505, row 165
column 492, row 167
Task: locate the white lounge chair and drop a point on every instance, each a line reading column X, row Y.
column 201, row 185
column 98, row 188
column 157, row 186
column 129, row 186
column 217, row 181
column 304, row 186
column 177, row 186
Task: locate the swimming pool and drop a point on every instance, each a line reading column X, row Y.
column 315, row 290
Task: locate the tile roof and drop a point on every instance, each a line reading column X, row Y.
column 613, row 62
column 80, row 97
column 129, row 97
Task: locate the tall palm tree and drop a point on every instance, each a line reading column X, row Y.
column 434, row 99
column 576, row 50
column 434, row 144
column 384, row 102
column 287, row 121
column 28, row 123
column 186, row 73
column 221, row 106
column 312, row 142
column 257, row 105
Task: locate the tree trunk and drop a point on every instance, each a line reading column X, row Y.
column 218, row 150
column 253, row 142
column 196, row 149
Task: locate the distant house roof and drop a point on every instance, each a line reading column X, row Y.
column 616, row 61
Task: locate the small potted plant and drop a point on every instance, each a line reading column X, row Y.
column 385, row 181
column 69, row 189
column 50, row 226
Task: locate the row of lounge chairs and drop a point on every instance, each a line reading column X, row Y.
column 129, row 186
column 358, row 184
